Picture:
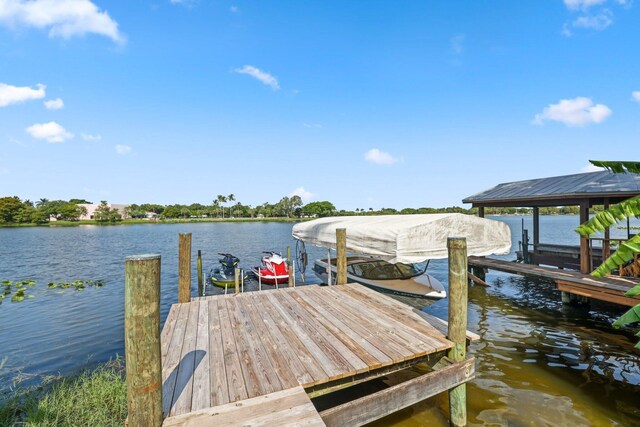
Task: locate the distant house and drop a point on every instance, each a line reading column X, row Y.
column 151, row 216
column 91, row 209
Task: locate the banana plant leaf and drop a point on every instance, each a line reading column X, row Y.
column 607, row 218
column 617, row 166
column 633, row 291
column 631, row 316
column 625, row 253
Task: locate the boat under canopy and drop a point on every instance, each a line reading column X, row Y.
column 408, row 238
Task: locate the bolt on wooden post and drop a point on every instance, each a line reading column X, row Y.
column 341, row 256
column 184, row 267
column 458, row 291
column 142, row 340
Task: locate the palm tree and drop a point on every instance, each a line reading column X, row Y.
column 42, row 202
column 222, row 199
column 626, row 250
column 231, row 198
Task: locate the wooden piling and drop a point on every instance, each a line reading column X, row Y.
column 458, row 290
column 289, row 266
column 236, row 276
column 341, row 257
column 142, row 340
column 184, row 267
column 200, row 279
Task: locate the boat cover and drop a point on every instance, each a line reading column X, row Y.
column 408, row 238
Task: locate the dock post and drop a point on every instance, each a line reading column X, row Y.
column 200, row 281
column 341, row 257
column 184, row 267
column 142, row 340
column 236, row 276
column 458, row 290
column 289, row 269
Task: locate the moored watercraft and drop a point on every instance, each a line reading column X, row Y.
column 224, row 276
column 273, row 270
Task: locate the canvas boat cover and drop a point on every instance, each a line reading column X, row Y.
column 408, row 238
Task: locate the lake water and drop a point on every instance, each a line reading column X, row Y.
column 538, row 362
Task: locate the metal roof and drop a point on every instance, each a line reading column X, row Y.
column 563, row 190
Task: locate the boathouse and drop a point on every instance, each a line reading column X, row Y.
column 584, row 190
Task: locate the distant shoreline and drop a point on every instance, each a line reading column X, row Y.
column 92, row 222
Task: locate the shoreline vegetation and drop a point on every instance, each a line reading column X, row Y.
column 15, row 212
column 96, row 397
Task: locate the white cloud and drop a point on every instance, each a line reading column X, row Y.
column 51, row 132
column 582, row 4
column 259, row 75
column 598, row 22
column 304, row 194
column 63, row 18
column 591, row 168
column 457, row 44
column 122, row 149
column 573, row 112
column 17, row 94
column 635, row 95
column 234, row 9
column 54, row 104
column 379, row 157
column 312, row 125
column 89, row 137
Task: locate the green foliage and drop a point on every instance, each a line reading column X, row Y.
column 104, row 213
column 320, row 209
column 611, row 216
column 623, row 255
column 635, row 291
column 18, row 290
column 93, row 398
column 618, row 166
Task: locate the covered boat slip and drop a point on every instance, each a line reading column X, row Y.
column 584, row 190
column 407, row 238
column 270, row 345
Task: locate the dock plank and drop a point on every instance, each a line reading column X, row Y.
column 290, row 407
column 218, row 386
column 224, row 351
column 320, row 331
column 335, row 366
column 609, row 288
column 172, row 359
column 235, row 379
column 201, row 397
column 281, row 328
column 372, row 333
column 184, row 381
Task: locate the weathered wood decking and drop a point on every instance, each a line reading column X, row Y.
column 610, row 288
column 230, row 348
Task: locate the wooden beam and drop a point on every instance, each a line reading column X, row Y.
column 341, row 257
column 536, row 225
column 481, row 211
column 142, row 340
column 596, row 294
column 184, row 267
column 585, row 264
column 375, row 406
column 606, row 245
column 458, row 295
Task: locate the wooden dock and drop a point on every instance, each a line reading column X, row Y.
column 610, row 288
column 226, row 359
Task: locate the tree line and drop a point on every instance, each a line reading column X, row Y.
column 15, row 210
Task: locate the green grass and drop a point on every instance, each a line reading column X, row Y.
column 93, row 398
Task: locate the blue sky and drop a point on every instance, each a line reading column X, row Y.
column 366, row 104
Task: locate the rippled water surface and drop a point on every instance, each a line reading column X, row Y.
column 538, row 362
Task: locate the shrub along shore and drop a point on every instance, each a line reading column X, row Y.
column 92, row 398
